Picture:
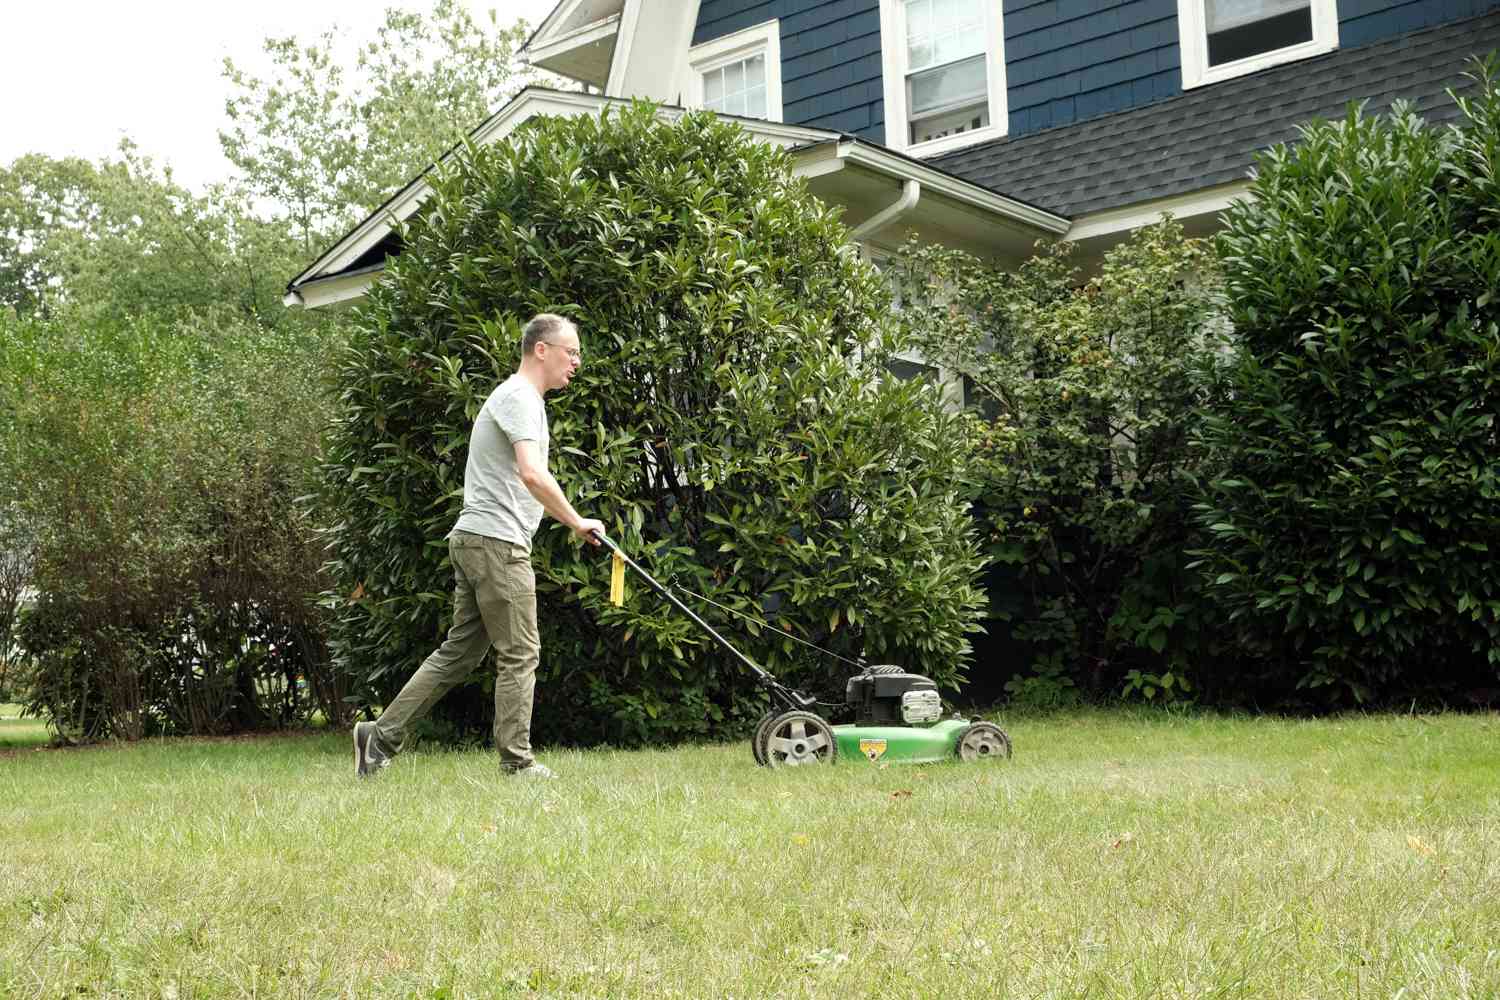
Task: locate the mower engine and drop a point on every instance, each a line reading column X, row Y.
column 887, row 696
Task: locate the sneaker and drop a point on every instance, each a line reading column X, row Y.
column 368, row 757
column 531, row 771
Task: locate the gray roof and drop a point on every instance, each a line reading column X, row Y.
column 1209, row 135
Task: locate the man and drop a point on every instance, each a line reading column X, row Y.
column 506, row 489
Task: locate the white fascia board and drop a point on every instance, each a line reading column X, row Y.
column 587, row 35
column 1147, row 213
column 328, row 291
column 529, row 103
column 552, row 28
column 936, row 182
column 548, row 25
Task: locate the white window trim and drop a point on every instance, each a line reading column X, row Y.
column 761, row 38
column 1194, row 37
column 893, row 73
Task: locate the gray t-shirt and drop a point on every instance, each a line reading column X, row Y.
column 496, row 502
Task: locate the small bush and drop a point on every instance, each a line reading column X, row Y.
column 1356, row 524
column 732, row 424
column 1088, row 391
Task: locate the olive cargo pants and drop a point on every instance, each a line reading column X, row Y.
column 494, row 604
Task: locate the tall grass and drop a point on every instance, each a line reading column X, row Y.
column 1135, row 855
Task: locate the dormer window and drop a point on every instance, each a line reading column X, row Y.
column 944, row 73
column 738, row 74
column 1222, row 39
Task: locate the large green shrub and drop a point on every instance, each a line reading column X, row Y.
column 151, row 468
column 732, row 424
column 1088, row 390
column 1356, row 527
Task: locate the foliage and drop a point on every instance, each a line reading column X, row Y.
column 328, row 142
column 119, row 237
column 174, row 578
column 733, row 424
column 1356, row 523
column 17, row 564
column 1088, row 390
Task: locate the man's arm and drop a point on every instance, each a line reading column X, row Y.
column 540, row 484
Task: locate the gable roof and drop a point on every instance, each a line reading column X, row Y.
column 1208, row 136
column 346, row 268
column 363, row 249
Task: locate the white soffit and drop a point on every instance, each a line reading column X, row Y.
column 830, row 157
column 577, row 40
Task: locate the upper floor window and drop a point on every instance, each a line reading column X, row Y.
column 1222, row 39
column 944, row 73
column 739, row 74
column 737, row 88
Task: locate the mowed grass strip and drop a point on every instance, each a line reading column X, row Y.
column 1118, row 855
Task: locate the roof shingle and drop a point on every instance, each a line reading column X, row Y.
column 1209, row 136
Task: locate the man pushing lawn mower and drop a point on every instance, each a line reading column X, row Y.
column 507, row 487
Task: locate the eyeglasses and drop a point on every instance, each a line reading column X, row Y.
column 571, row 352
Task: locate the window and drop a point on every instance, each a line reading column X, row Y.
column 739, row 74
column 737, row 88
column 1222, row 39
column 944, row 73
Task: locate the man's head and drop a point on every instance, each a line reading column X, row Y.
column 549, row 351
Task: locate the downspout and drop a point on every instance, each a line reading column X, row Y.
column 910, row 192
column 293, row 299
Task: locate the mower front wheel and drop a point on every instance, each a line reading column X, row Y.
column 983, row 741
column 796, row 738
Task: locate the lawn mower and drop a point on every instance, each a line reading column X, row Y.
column 898, row 716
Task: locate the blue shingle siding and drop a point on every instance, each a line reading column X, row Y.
column 830, row 58
column 1364, row 21
column 1066, row 60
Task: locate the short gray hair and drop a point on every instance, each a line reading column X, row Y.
column 542, row 327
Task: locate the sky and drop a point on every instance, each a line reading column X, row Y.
column 80, row 74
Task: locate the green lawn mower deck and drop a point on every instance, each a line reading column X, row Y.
column 898, row 717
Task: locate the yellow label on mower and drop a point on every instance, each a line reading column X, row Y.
column 873, row 749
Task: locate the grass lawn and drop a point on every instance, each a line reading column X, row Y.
column 1118, row 855
column 18, row 733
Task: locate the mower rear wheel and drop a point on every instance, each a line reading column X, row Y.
column 758, row 740
column 796, row 738
column 983, row 741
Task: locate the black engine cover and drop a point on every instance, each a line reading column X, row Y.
column 876, row 697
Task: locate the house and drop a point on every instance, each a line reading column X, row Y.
column 979, row 124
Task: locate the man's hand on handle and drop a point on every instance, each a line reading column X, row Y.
column 586, row 527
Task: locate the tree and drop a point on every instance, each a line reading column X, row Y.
column 1356, row 524
column 1089, row 390
column 327, row 142
column 733, row 423
column 120, row 238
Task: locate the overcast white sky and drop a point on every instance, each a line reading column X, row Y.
column 76, row 75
